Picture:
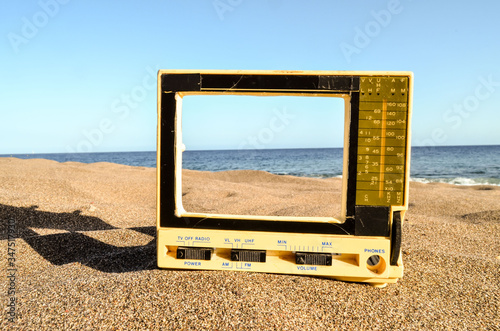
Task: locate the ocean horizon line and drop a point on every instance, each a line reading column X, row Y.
column 459, row 165
column 229, row 149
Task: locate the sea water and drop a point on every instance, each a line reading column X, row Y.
column 461, row 165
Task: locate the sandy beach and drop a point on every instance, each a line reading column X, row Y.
column 85, row 256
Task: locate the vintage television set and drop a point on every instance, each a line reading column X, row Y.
column 362, row 245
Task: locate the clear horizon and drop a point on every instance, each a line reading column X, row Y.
column 81, row 76
column 214, row 150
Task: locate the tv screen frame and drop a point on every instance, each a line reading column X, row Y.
column 370, row 209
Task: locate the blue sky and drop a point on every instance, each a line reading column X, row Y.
column 80, row 75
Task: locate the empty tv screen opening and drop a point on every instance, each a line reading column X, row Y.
column 235, row 140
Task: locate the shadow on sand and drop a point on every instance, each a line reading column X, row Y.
column 73, row 245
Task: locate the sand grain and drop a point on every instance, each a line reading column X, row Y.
column 86, row 255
